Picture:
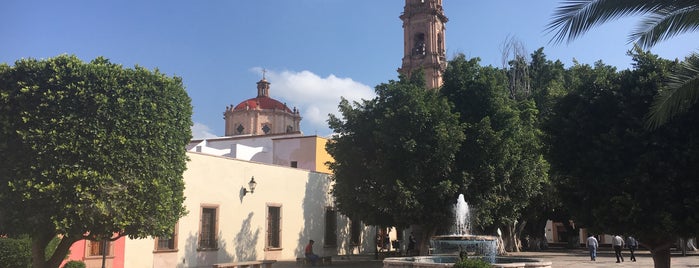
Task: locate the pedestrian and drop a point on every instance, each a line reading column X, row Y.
column 592, row 246
column 310, row 256
column 618, row 243
column 632, row 244
column 387, row 242
column 411, row 244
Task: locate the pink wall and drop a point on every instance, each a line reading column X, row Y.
column 78, row 253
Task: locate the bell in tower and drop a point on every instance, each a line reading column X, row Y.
column 423, row 34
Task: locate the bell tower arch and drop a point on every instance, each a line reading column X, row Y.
column 424, row 46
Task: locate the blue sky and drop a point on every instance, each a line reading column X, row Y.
column 314, row 51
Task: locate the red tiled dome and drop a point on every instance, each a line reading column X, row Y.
column 263, row 102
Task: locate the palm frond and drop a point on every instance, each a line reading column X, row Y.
column 664, row 24
column 681, row 92
column 575, row 17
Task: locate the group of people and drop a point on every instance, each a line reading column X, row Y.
column 617, row 243
column 384, row 243
column 313, row 258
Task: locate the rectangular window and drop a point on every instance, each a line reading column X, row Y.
column 355, row 232
column 294, row 164
column 97, row 248
column 168, row 243
column 330, row 227
column 208, row 228
column 274, row 231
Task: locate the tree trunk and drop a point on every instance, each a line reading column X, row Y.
column 661, row 257
column 660, row 251
column 39, row 244
column 510, row 239
column 61, row 251
column 536, row 234
column 423, row 235
column 519, row 228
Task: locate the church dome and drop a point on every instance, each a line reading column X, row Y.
column 261, row 103
column 261, row 115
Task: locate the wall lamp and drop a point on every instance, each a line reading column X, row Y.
column 252, row 184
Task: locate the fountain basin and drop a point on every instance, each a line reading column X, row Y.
column 448, row 261
column 482, row 246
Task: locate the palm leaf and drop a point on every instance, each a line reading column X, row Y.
column 681, row 92
column 666, row 23
column 576, row 17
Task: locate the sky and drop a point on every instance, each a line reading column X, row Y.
column 313, row 52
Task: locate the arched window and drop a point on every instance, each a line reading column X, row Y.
column 419, row 48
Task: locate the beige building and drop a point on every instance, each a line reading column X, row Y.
column 228, row 221
column 256, row 194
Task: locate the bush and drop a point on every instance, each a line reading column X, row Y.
column 74, row 264
column 472, row 263
column 15, row 252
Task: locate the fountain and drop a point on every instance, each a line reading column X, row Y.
column 445, row 250
column 461, row 241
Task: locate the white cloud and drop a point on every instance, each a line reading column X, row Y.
column 315, row 96
column 201, row 131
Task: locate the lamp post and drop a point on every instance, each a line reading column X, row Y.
column 252, row 184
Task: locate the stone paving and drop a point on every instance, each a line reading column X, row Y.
column 581, row 258
column 559, row 258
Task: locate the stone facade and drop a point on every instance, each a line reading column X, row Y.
column 424, row 45
column 261, row 115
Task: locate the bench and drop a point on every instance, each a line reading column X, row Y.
column 326, row 260
column 252, row 264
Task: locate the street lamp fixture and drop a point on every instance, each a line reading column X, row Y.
column 252, row 184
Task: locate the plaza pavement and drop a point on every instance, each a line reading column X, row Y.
column 577, row 258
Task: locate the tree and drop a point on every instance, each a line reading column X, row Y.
column 663, row 19
column 618, row 176
column 547, row 86
column 90, row 151
column 547, row 79
column 393, row 157
column 515, row 63
column 501, row 160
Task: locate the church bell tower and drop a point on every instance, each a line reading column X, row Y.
column 423, row 35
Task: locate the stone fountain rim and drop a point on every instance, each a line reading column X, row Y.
column 465, row 237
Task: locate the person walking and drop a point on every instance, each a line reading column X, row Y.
column 592, row 246
column 618, row 243
column 632, row 244
column 411, row 244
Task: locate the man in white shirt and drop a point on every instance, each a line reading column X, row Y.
column 592, row 246
column 617, row 243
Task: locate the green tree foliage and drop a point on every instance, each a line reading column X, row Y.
column 90, row 150
column 547, row 86
column 547, row 82
column 74, row 264
column 616, row 175
column 394, row 156
column 472, row 263
column 662, row 19
column 15, row 252
column 501, row 160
